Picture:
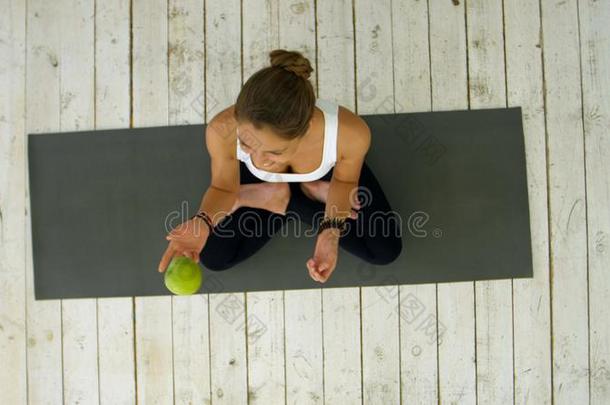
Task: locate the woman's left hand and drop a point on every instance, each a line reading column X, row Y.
column 324, row 259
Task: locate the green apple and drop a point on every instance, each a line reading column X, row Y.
column 183, row 276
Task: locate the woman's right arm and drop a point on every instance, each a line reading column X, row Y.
column 218, row 199
column 220, row 140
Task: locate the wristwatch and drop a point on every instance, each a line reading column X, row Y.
column 333, row 222
column 206, row 218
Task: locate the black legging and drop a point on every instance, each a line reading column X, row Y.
column 375, row 236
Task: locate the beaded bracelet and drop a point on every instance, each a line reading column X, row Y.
column 333, row 222
column 206, row 218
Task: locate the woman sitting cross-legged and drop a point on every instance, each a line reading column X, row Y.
column 280, row 151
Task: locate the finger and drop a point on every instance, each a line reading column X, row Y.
column 312, row 269
column 328, row 268
column 321, row 276
column 167, row 257
column 309, row 270
column 310, row 264
column 178, row 231
column 188, row 255
column 175, row 235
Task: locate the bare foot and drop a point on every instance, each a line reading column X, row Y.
column 270, row 196
column 318, row 191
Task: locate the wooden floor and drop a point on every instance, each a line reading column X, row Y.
column 76, row 65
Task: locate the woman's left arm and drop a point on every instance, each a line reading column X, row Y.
column 355, row 143
column 346, row 173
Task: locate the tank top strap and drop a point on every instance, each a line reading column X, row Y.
column 331, row 126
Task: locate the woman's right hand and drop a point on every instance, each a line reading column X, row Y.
column 187, row 239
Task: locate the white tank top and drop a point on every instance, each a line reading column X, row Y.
column 329, row 151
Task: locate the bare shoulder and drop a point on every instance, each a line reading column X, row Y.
column 223, row 123
column 353, row 136
column 220, row 134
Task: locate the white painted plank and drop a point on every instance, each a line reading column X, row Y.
column 190, row 313
column 186, row 61
column 112, row 66
column 79, row 316
column 567, row 203
column 340, row 306
column 260, row 34
column 265, row 310
column 265, row 332
column 419, row 337
column 411, row 59
column 342, row 346
column 79, row 324
column 153, row 315
column 191, row 349
column 379, row 305
column 223, row 55
column 531, row 297
column 336, row 68
column 595, row 64
column 116, row 355
column 449, row 75
column 297, row 31
column 304, row 351
column 486, row 78
column 228, row 348
column 77, row 68
column 417, row 306
column 494, row 322
column 43, row 327
column 149, row 63
column 455, row 307
column 153, row 349
column 228, row 312
column 374, row 73
column 12, row 202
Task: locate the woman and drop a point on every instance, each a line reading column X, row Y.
column 279, row 151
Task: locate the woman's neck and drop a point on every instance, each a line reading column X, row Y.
column 315, row 133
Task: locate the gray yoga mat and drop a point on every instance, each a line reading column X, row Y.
column 102, row 202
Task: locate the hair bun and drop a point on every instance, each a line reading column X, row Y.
column 291, row 61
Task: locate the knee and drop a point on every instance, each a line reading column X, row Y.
column 213, row 263
column 387, row 251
